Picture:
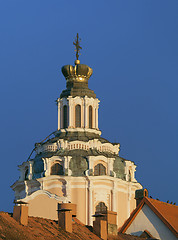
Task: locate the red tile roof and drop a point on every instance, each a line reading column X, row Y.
column 41, row 228
column 168, row 213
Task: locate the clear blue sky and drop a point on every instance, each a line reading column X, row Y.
column 132, row 46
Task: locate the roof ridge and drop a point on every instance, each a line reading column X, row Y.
column 149, row 202
column 159, row 201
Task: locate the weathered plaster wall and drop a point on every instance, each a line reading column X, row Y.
column 148, row 220
column 43, row 206
column 122, row 207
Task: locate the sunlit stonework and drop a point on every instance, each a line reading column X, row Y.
column 75, row 164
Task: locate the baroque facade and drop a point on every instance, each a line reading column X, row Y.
column 75, row 164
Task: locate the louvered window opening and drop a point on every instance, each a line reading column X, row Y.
column 78, row 116
column 65, row 116
column 57, row 169
column 99, row 170
column 90, row 117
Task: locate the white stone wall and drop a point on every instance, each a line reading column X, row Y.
column 84, row 102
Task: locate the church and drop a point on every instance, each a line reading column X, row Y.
column 75, row 163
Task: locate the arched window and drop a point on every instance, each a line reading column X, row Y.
column 129, row 176
column 57, row 169
column 26, row 174
column 90, row 116
column 65, row 116
column 101, row 207
column 77, row 115
column 99, row 170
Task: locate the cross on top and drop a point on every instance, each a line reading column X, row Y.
column 77, row 46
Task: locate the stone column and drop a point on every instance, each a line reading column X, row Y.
column 67, row 171
column 30, row 175
column 96, row 117
column 86, row 114
column 59, row 112
column 26, row 188
column 70, row 112
column 46, row 166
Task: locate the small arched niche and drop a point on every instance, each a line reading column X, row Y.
column 99, row 169
column 101, row 207
column 57, row 169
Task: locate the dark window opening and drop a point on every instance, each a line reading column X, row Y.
column 78, row 116
column 90, row 116
column 57, row 169
column 65, row 116
column 130, row 176
column 26, row 174
column 99, row 170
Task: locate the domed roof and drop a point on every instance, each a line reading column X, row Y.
column 77, row 80
column 79, row 72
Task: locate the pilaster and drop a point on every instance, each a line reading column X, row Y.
column 86, row 112
column 68, row 190
column 82, row 114
column 67, row 171
column 90, row 203
column 61, row 115
column 114, row 196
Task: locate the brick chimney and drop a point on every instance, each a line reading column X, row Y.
column 65, row 213
column 20, row 212
column 100, row 226
column 105, row 223
column 140, row 194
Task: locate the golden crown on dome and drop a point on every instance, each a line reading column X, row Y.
column 78, row 72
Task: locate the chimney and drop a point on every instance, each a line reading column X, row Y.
column 100, row 226
column 105, row 223
column 20, row 212
column 65, row 213
column 140, row 194
column 112, row 222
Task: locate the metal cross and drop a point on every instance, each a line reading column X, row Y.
column 77, row 46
